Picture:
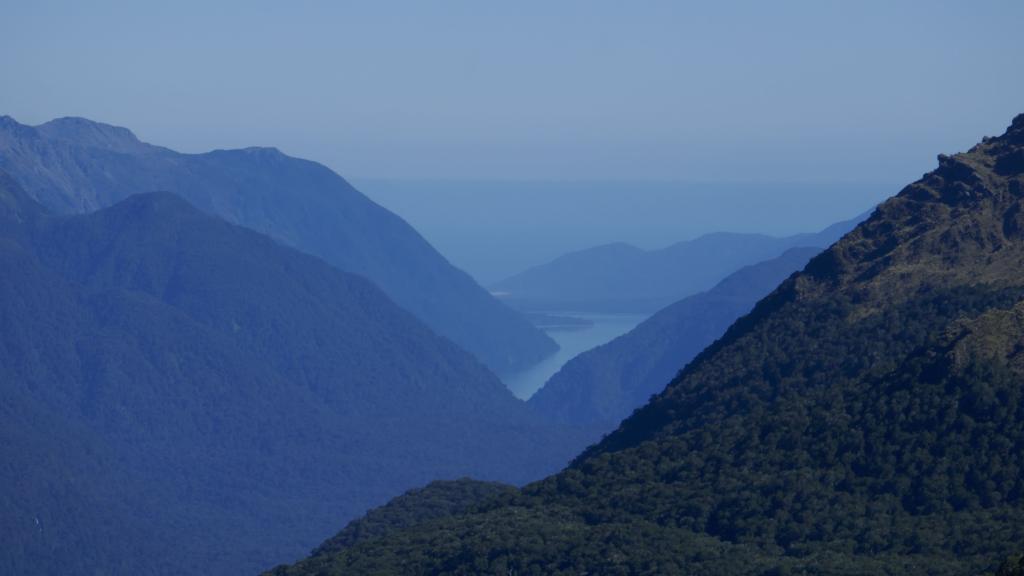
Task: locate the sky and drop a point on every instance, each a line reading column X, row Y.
column 509, row 133
column 495, row 229
column 780, row 91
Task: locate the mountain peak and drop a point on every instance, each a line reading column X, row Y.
column 91, row 133
column 155, row 208
column 977, row 174
column 860, row 415
column 1015, row 133
column 268, row 150
column 10, row 126
column 76, row 165
column 960, row 214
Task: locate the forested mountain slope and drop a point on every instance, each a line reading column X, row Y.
column 73, row 165
column 183, row 395
column 867, row 417
column 602, row 386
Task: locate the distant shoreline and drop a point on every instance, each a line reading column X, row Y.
column 558, row 321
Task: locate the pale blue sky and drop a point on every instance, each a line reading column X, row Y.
column 662, row 90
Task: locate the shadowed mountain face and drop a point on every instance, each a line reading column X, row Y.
column 182, row 395
column 867, row 417
column 72, row 165
column 624, row 278
column 602, row 386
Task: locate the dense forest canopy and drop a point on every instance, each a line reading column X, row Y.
column 183, row 395
column 866, row 417
column 74, row 165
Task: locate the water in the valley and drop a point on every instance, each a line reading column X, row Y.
column 596, row 329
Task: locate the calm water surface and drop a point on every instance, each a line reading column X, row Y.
column 573, row 341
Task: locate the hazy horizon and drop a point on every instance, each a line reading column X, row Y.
column 537, row 91
column 219, row 358
column 494, row 229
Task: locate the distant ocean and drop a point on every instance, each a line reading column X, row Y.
column 493, row 229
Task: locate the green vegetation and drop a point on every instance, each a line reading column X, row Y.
column 439, row 499
column 1012, row 567
column 602, row 386
column 865, row 418
column 74, row 166
column 179, row 395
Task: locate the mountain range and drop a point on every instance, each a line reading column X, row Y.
column 866, row 417
column 181, row 395
column 602, row 386
column 74, row 166
column 620, row 277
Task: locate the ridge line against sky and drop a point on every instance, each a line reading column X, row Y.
column 575, row 90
